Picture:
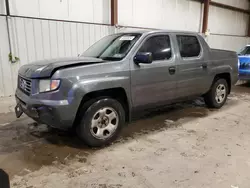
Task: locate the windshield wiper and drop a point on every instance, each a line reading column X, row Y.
column 111, row 58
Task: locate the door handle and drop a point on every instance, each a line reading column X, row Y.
column 171, row 70
column 204, row 66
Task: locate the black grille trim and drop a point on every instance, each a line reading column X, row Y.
column 25, row 85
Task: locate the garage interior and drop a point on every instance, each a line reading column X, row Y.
column 36, row 31
column 185, row 145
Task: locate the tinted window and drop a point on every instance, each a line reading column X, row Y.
column 189, row 46
column 245, row 51
column 159, row 46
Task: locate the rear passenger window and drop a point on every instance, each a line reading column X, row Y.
column 189, row 46
column 159, row 46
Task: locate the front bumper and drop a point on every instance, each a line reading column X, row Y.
column 55, row 113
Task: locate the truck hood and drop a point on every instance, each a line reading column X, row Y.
column 45, row 68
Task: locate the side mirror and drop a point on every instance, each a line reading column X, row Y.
column 145, row 57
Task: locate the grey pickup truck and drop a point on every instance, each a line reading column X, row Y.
column 99, row 91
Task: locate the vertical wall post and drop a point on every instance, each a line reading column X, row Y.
column 7, row 5
column 248, row 31
column 114, row 12
column 205, row 16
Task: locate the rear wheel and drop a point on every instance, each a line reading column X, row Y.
column 101, row 122
column 217, row 95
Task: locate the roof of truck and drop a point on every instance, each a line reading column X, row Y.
column 159, row 31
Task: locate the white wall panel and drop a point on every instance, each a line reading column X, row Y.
column 42, row 39
column 223, row 21
column 236, row 3
column 227, row 42
column 25, row 7
column 6, row 87
column 2, row 7
column 164, row 14
column 60, row 39
column 38, row 38
column 57, row 9
column 53, row 32
column 101, row 11
column 95, row 11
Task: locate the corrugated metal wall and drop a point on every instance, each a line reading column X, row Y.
column 6, row 75
column 2, row 7
column 163, row 14
column 228, row 28
column 94, row 11
column 35, row 39
column 223, row 21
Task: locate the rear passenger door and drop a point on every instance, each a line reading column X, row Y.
column 192, row 69
column 154, row 84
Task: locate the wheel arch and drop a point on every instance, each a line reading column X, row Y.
column 117, row 93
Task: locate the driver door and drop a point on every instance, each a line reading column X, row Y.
column 154, row 84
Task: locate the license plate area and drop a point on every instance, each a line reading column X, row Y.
column 18, row 110
column 22, row 107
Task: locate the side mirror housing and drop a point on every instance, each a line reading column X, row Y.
column 145, row 58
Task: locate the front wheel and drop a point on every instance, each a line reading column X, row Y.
column 217, row 96
column 102, row 122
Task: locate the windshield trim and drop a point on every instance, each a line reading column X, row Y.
column 118, row 35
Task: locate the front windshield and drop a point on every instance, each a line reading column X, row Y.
column 245, row 51
column 113, row 47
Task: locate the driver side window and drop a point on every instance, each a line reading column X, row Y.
column 159, row 46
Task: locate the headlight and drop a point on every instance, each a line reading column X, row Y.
column 48, row 85
column 238, row 63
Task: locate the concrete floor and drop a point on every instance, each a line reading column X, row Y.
column 186, row 145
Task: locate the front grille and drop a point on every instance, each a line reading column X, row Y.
column 24, row 85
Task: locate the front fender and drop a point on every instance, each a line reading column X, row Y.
column 97, row 84
column 83, row 87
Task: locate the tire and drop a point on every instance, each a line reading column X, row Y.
column 4, row 179
column 211, row 98
column 101, row 121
